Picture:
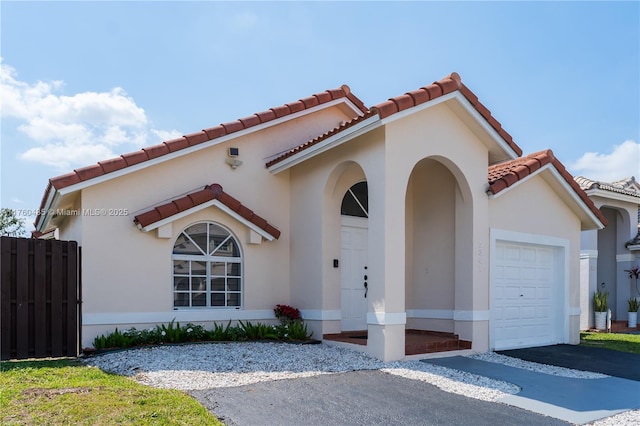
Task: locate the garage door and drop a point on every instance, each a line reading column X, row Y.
column 525, row 296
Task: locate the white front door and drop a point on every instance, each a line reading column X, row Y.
column 526, row 291
column 354, row 273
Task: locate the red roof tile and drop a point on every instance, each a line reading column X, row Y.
column 411, row 99
column 505, row 174
column 439, row 88
column 193, row 199
column 173, row 145
column 320, row 138
column 145, row 154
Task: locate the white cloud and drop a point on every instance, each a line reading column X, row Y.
column 165, row 135
column 622, row 162
column 75, row 130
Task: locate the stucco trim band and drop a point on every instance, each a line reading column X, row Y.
column 386, row 318
column 186, row 315
column 321, row 315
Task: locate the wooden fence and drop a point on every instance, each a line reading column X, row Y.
column 40, row 295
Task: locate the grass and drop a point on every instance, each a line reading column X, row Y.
column 615, row 341
column 65, row 391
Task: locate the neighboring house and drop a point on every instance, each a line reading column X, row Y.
column 418, row 213
column 605, row 254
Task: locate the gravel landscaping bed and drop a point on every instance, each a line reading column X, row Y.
column 218, row 365
column 204, row 366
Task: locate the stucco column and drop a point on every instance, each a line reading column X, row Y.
column 386, row 318
column 588, row 276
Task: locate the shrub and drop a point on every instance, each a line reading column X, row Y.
column 219, row 333
column 286, row 313
column 291, row 328
column 294, row 330
column 258, row 331
column 116, row 339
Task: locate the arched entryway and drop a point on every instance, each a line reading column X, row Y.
column 439, row 248
column 613, row 260
column 354, row 212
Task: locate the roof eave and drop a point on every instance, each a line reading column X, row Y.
column 46, row 212
column 467, row 107
column 612, row 195
column 216, row 141
column 215, row 203
column 588, row 219
column 346, row 135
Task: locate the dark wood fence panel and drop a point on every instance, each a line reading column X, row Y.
column 39, row 298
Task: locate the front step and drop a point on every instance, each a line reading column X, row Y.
column 426, row 342
column 416, row 341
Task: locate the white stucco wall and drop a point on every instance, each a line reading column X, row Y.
column 127, row 273
column 533, row 208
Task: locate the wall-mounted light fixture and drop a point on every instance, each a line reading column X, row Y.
column 232, row 160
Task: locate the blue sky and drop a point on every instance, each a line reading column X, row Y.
column 86, row 81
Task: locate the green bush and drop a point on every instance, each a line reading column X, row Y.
column 219, row 333
column 293, row 330
column 116, row 339
column 258, row 331
column 173, row 332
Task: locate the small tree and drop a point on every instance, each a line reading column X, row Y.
column 10, row 224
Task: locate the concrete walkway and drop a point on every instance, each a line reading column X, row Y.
column 577, row 401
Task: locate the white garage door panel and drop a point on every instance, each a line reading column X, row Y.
column 524, row 283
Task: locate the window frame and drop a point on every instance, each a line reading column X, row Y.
column 210, row 261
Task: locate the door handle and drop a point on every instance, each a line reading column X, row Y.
column 366, row 288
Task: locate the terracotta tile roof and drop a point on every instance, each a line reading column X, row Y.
column 193, row 199
column 149, row 153
column 173, row 145
column 320, row 138
column 505, row 174
column 447, row 85
column 627, row 186
column 400, row 103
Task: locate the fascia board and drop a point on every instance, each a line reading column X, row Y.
column 576, row 198
column 557, row 177
column 338, row 139
column 521, row 181
column 418, row 108
column 186, row 151
column 611, row 195
column 466, row 105
column 48, row 208
column 199, row 207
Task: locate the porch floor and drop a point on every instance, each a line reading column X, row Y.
column 416, row 341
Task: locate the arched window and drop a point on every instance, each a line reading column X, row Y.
column 207, row 268
column 356, row 201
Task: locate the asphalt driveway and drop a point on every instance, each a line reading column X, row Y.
column 368, row 397
column 373, row 397
column 599, row 360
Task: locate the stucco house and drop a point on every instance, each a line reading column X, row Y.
column 418, row 213
column 605, row 254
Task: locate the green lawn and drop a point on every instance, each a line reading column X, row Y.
column 67, row 392
column 614, row 341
